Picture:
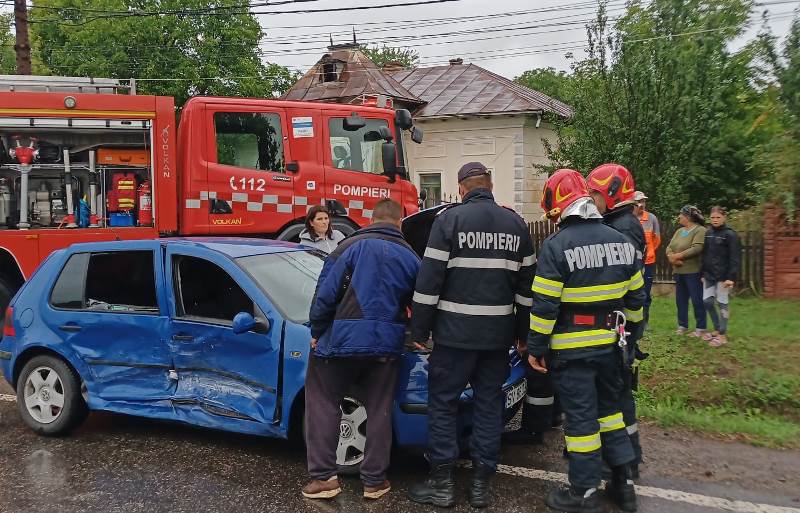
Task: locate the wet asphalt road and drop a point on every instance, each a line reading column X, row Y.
column 115, row 463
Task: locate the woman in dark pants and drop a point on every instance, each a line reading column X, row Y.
column 685, row 253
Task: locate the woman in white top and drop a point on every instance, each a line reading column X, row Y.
column 318, row 232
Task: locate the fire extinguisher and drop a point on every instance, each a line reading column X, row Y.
column 145, row 204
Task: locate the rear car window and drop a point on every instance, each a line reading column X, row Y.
column 116, row 281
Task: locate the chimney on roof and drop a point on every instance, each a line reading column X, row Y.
column 393, row 66
column 456, row 62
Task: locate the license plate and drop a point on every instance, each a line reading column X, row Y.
column 516, row 393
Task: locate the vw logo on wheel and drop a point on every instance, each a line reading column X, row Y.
column 345, row 430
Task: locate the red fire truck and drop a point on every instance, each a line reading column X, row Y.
column 88, row 160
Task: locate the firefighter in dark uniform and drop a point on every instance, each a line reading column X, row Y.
column 612, row 188
column 587, row 279
column 473, row 294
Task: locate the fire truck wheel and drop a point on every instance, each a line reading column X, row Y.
column 6, row 293
column 344, row 225
column 291, row 233
column 49, row 396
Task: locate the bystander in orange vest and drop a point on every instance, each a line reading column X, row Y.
column 652, row 235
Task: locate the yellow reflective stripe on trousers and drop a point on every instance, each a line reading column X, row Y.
column 547, row 286
column 594, row 292
column 634, row 315
column 583, row 443
column 637, row 281
column 611, row 423
column 578, row 339
column 542, row 325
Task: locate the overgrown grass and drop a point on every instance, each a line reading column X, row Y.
column 748, row 389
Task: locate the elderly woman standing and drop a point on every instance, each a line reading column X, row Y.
column 685, row 253
column 319, row 233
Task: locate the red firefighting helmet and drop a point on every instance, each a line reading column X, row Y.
column 562, row 189
column 614, row 182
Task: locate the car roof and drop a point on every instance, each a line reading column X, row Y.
column 233, row 247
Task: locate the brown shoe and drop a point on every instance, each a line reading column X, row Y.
column 317, row 489
column 377, row 491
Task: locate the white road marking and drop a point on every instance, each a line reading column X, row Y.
column 7, row 397
column 694, row 499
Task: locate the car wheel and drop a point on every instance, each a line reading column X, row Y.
column 352, row 437
column 49, row 396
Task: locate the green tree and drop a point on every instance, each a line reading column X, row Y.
column 779, row 157
column 187, row 49
column 556, row 84
column 8, row 62
column 383, row 55
column 662, row 93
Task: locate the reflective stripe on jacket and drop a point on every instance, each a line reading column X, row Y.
column 587, row 270
column 652, row 234
column 474, row 285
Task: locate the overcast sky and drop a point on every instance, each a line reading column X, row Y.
column 539, row 34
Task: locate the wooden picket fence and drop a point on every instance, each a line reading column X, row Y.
column 752, row 245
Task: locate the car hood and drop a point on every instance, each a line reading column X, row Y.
column 417, row 227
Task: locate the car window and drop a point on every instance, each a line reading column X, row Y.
column 250, row 140
column 359, row 150
column 68, row 291
column 204, row 290
column 289, row 280
column 116, row 281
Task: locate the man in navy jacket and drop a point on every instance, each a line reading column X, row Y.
column 358, row 319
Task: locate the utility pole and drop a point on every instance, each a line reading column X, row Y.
column 23, row 45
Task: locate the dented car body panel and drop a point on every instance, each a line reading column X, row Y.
column 179, row 358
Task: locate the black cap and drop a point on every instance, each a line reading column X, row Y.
column 471, row 169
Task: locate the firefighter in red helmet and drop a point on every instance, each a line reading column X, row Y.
column 612, row 188
column 587, row 274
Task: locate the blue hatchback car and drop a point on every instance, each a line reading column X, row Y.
column 210, row 332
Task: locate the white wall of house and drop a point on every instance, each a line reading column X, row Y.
column 509, row 145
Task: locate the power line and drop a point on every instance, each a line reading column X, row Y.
column 214, row 13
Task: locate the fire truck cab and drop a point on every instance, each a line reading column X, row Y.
column 85, row 160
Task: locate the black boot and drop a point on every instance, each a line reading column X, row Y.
column 438, row 489
column 523, row 437
column 479, row 488
column 574, row 500
column 621, row 489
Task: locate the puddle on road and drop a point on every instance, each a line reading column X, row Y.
column 46, row 471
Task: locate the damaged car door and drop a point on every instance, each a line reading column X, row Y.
column 225, row 347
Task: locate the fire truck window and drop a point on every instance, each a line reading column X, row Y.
column 121, row 281
column 250, row 140
column 68, row 291
column 359, row 150
column 203, row 290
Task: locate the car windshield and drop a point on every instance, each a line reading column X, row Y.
column 289, row 279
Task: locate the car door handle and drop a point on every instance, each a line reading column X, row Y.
column 183, row 338
column 70, row 327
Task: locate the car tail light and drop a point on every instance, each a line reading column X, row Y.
column 8, row 325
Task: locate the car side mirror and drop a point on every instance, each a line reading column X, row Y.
column 402, row 118
column 353, row 123
column 389, row 154
column 243, row 322
column 416, row 135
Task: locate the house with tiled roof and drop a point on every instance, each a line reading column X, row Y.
column 467, row 114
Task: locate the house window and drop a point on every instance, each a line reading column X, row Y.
column 431, row 183
column 359, row 150
column 250, row 140
column 206, row 291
